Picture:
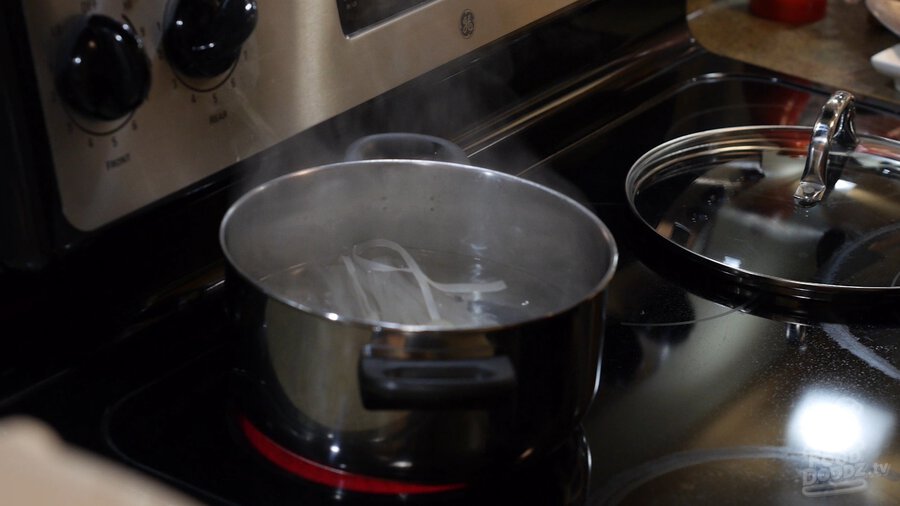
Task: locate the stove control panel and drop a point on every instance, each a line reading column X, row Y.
column 143, row 98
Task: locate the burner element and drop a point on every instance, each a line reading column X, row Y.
column 335, row 478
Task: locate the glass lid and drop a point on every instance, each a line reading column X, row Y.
column 815, row 208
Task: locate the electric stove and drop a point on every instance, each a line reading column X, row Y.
column 117, row 337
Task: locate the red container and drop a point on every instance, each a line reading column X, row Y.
column 789, row 11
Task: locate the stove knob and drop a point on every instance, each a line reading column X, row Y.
column 203, row 38
column 103, row 71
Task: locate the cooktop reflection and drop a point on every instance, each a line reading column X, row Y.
column 183, row 429
column 711, row 404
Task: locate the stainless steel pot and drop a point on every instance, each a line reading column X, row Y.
column 433, row 401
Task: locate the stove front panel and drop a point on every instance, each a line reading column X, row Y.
column 304, row 62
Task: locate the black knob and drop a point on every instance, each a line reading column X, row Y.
column 103, row 71
column 203, row 38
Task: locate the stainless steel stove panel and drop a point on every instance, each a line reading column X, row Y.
column 297, row 69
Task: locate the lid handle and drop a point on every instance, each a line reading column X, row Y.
column 833, row 126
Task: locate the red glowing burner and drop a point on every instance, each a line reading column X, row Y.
column 335, row 478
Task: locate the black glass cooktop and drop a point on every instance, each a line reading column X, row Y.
column 190, row 409
column 705, row 397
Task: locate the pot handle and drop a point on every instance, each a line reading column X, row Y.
column 389, row 383
column 404, row 145
column 833, row 128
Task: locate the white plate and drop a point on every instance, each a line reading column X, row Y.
column 887, row 62
column 887, row 12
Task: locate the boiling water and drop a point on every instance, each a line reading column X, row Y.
column 381, row 281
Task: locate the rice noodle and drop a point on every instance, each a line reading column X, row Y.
column 360, row 293
column 392, row 288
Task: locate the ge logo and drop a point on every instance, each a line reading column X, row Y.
column 467, row 23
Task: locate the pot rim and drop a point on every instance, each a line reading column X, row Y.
column 378, row 325
column 648, row 164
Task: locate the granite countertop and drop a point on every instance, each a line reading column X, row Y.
column 834, row 51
